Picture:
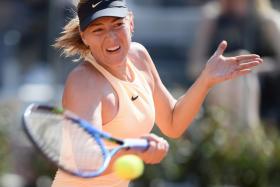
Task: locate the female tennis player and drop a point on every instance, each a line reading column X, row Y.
column 118, row 88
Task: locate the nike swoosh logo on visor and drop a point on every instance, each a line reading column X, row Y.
column 96, row 4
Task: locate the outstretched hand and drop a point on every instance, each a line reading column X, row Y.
column 220, row 68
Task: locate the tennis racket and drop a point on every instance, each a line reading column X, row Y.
column 71, row 143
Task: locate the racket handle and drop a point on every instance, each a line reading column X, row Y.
column 138, row 144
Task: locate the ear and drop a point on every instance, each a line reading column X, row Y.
column 131, row 22
column 82, row 34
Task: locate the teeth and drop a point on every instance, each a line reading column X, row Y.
column 113, row 48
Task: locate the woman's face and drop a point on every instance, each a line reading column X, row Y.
column 109, row 39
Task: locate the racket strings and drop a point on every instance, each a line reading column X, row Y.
column 88, row 154
column 45, row 132
column 65, row 143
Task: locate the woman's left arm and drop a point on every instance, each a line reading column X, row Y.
column 174, row 116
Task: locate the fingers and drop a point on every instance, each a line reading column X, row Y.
column 246, row 62
column 151, row 137
column 160, row 143
column 221, row 48
column 243, row 59
column 243, row 68
column 157, row 150
column 220, row 68
column 150, row 156
column 247, row 65
column 246, row 57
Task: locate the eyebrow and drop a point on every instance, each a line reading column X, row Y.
column 100, row 23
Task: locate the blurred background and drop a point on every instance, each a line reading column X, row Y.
column 234, row 140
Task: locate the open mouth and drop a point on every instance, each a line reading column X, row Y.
column 113, row 49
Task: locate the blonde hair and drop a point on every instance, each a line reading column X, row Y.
column 70, row 41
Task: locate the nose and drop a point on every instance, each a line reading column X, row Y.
column 112, row 36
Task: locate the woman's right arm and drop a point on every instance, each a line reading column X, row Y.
column 83, row 95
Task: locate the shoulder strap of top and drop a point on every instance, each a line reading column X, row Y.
column 139, row 77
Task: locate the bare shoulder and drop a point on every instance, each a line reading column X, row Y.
column 137, row 50
column 85, row 76
column 142, row 58
column 139, row 54
column 83, row 90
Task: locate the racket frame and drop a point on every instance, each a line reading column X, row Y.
column 96, row 134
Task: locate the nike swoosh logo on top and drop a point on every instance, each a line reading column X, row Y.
column 96, row 4
column 134, row 98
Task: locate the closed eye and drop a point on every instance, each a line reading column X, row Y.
column 97, row 30
column 118, row 25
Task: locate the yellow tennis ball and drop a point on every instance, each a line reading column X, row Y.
column 129, row 167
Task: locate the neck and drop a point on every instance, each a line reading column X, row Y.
column 121, row 71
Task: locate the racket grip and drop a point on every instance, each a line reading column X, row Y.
column 138, row 144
